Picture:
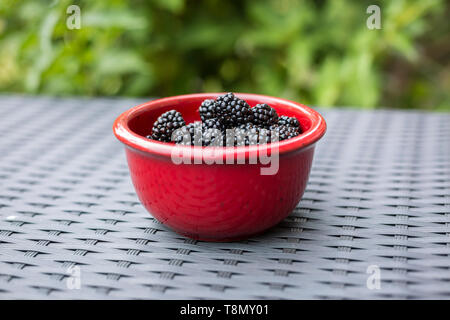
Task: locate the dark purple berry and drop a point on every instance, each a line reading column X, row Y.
column 264, row 115
column 208, row 109
column 289, row 121
column 165, row 125
column 284, row 132
column 228, row 109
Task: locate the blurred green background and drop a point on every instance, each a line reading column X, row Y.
column 315, row 52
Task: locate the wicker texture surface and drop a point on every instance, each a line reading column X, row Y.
column 379, row 194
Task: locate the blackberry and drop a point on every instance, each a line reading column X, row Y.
column 289, row 121
column 264, row 136
column 228, row 109
column 213, row 123
column 264, row 115
column 198, row 134
column 246, row 126
column 212, row 137
column 194, row 127
column 246, row 134
column 165, row 125
column 234, row 111
column 190, row 134
column 241, row 137
column 249, row 134
column 182, row 136
column 284, row 132
column 208, row 109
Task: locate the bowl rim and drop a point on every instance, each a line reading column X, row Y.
column 131, row 139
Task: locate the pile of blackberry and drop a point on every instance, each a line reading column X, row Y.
column 226, row 121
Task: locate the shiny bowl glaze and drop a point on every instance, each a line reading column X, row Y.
column 217, row 202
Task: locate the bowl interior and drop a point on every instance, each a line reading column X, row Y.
column 142, row 121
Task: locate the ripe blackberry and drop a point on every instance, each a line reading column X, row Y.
column 234, row 137
column 248, row 134
column 284, row 132
column 235, row 111
column 208, row 109
column 165, row 125
column 289, row 121
column 213, row 123
column 242, row 136
column 198, row 134
column 190, row 134
column 229, row 110
column 264, row 136
column 264, row 115
column 181, row 136
column 212, row 137
column 246, row 126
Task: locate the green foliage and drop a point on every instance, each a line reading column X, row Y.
column 316, row 52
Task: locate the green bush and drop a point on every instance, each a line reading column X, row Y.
column 316, row 52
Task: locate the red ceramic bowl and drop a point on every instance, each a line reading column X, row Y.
column 207, row 200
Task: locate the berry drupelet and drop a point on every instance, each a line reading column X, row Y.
column 264, row 115
column 165, row 125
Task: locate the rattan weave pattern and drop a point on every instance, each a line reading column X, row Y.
column 379, row 194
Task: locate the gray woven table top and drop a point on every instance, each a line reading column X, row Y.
column 378, row 197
